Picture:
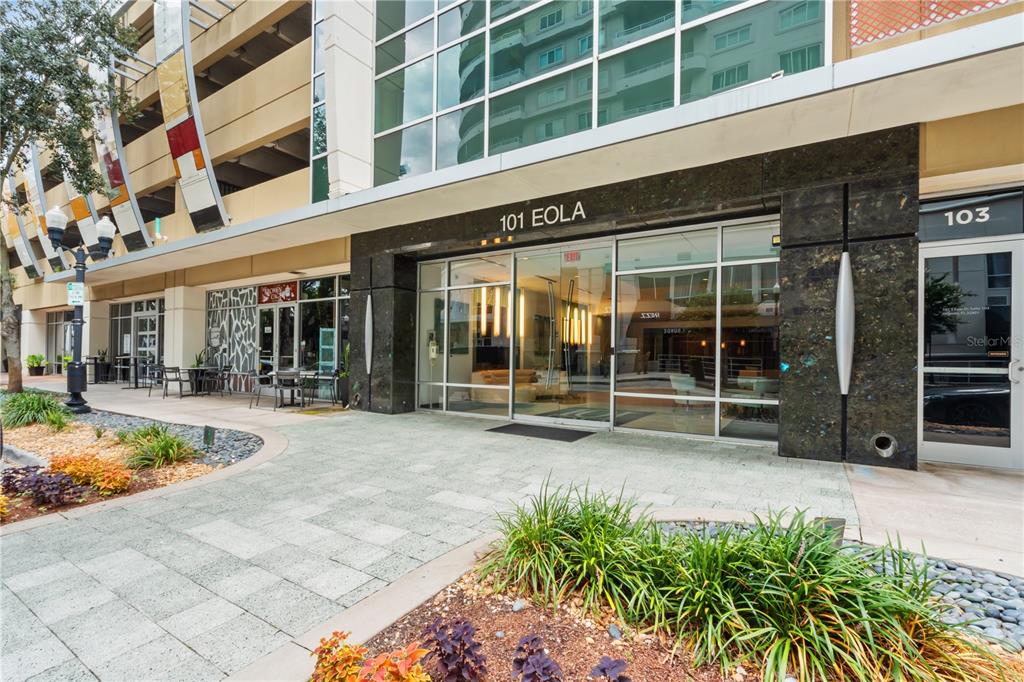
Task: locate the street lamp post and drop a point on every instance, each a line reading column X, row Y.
column 56, row 221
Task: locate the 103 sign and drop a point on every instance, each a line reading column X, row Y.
column 967, row 216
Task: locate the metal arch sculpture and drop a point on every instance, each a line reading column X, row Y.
column 16, row 236
column 110, row 153
column 182, row 120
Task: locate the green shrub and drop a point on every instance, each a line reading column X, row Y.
column 122, row 435
column 154, row 446
column 56, row 419
column 789, row 600
column 99, row 431
column 30, row 407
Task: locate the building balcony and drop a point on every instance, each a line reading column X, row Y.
column 502, row 80
column 506, row 41
column 513, row 113
column 647, row 74
column 694, row 62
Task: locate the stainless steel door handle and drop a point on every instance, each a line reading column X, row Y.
column 1016, row 371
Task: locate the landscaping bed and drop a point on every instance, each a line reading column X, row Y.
column 582, row 587
column 573, row 639
column 64, row 461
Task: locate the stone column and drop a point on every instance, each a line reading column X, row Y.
column 33, row 335
column 866, row 203
column 184, row 325
column 97, row 327
column 348, row 54
column 386, row 284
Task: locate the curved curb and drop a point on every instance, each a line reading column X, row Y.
column 274, row 444
column 367, row 618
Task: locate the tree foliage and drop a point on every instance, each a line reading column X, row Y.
column 46, row 91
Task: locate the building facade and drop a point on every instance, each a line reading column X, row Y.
column 792, row 222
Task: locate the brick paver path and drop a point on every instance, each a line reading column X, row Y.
column 197, row 584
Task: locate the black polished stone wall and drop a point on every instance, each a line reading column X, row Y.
column 857, row 193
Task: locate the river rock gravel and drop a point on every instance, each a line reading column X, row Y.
column 987, row 603
column 229, row 446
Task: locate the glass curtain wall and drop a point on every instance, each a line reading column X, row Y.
column 456, row 82
column 694, row 314
column 319, row 181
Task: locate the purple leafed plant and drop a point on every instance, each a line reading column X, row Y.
column 44, row 487
column 612, row 670
column 458, row 654
column 531, row 662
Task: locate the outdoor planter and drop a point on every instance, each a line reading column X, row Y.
column 36, row 371
column 343, row 390
column 102, row 372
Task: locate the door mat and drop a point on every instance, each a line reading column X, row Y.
column 546, row 432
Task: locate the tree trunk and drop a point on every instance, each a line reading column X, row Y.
column 10, row 323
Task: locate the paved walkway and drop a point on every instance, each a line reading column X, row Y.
column 196, row 584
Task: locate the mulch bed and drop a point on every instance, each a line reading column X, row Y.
column 82, row 439
column 21, row 508
column 573, row 640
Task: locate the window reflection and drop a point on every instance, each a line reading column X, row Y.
column 625, row 22
column 540, row 40
column 667, row 333
column 478, row 336
column 403, row 153
column 460, row 136
column 750, row 330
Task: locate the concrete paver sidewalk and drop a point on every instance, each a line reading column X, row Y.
column 197, row 584
column 199, row 581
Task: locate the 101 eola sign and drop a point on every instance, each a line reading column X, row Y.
column 552, row 214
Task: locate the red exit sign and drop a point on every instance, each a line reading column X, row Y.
column 572, row 256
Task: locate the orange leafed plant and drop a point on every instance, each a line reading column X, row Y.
column 402, row 665
column 105, row 475
column 337, row 661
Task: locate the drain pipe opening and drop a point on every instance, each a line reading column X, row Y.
column 884, row 445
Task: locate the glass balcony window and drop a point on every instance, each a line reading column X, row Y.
column 799, row 13
column 638, row 81
column 631, row 20
column 754, row 47
column 461, row 21
column 534, row 42
column 460, row 73
column 460, row 136
column 405, row 47
column 404, row 95
column 403, row 153
column 543, row 102
column 394, row 15
column 801, row 59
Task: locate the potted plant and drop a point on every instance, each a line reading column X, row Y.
column 343, row 375
column 102, row 366
column 36, row 364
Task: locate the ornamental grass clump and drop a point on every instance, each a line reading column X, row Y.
column 30, row 407
column 154, row 446
column 788, row 599
column 574, row 541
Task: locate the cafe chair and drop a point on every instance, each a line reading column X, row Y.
column 259, row 382
column 173, row 375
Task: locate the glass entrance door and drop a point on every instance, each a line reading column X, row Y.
column 973, row 354
column 146, row 339
column 277, row 337
column 563, row 334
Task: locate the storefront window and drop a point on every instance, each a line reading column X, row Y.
column 317, row 336
column 696, row 337
column 667, row 333
column 750, row 330
column 668, row 250
column 322, row 287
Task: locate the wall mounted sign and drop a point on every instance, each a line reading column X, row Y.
column 543, row 216
column 285, row 292
column 978, row 216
